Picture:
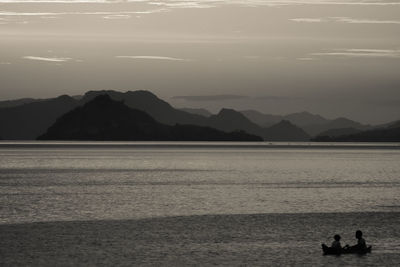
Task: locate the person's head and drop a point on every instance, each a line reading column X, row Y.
column 358, row 234
column 337, row 237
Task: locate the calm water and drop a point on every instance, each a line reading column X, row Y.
column 75, row 182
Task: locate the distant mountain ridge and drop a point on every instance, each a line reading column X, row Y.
column 17, row 102
column 339, row 132
column 386, row 134
column 151, row 104
column 29, row 120
column 311, row 123
column 197, row 111
column 105, row 119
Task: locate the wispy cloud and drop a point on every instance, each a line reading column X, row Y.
column 212, row 3
column 368, row 53
column 117, row 16
column 5, row 63
column 48, row 59
column 345, row 20
column 100, row 13
column 185, row 4
column 275, row 98
column 154, row 58
column 210, row 97
column 306, row 58
column 310, row 20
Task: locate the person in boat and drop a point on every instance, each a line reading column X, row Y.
column 335, row 248
column 336, row 243
column 361, row 244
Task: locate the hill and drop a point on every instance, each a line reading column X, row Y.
column 226, row 120
column 312, row 124
column 148, row 102
column 105, row 119
column 339, row 132
column 264, row 120
column 285, row 131
column 27, row 121
column 388, row 134
column 197, row 111
column 17, row 102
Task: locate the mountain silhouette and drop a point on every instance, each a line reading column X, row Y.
column 285, row 131
column 231, row 120
column 391, row 124
column 151, row 104
column 27, row 121
column 18, row 102
column 105, row 119
column 305, row 118
column 312, row 124
column 226, row 120
column 339, row 123
column 263, row 120
column 387, row 134
column 339, row 132
column 197, row 111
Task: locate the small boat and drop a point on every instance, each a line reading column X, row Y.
column 346, row 250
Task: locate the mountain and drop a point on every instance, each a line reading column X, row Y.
column 305, row 118
column 339, row 132
column 105, row 119
column 285, row 131
column 27, row 121
column 264, row 120
column 198, row 111
column 389, row 124
column 312, row 124
column 339, row 123
column 17, row 102
column 300, row 119
column 231, row 120
column 394, row 124
column 226, row 120
column 388, row 134
column 151, row 104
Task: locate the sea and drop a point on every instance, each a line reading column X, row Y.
column 197, row 203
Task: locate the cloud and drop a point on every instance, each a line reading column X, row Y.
column 5, row 63
column 100, row 13
column 306, row 58
column 185, row 4
column 210, row 97
column 275, row 98
column 311, row 20
column 154, row 58
column 345, row 20
column 214, row 3
column 117, row 16
column 365, row 21
column 368, row 53
column 48, row 59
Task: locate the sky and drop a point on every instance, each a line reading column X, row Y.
column 337, row 58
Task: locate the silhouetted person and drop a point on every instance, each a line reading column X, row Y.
column 361, row 244
column 335, row 248
column 336, row 243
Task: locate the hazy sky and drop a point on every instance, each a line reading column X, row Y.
column 332, row 57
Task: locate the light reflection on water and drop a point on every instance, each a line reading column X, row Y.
column 97, row 182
